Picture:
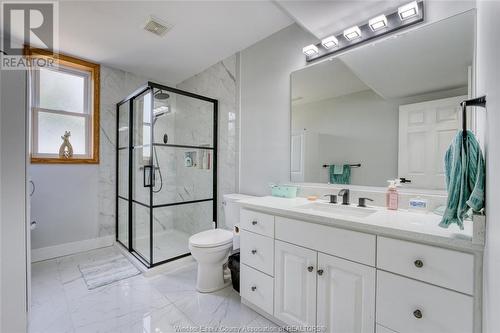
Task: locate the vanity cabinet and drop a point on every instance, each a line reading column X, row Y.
column 313, row 288
column 346, row 295
column 307, row 274
column 295, row 284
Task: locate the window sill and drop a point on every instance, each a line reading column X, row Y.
column 51, row 160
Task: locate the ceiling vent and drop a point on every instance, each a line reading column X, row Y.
column 156, row 26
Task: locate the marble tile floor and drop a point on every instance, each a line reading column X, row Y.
column 165, row 302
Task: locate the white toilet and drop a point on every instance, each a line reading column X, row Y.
column 211, row 248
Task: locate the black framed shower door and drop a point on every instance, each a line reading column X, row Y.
column 139, row 170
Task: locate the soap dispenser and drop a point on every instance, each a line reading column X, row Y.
column 391, row 197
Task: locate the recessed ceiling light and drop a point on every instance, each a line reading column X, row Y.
column 378, row 23
column 408, row 11
column 310, row 50
column 330, row 42
column 352, row 33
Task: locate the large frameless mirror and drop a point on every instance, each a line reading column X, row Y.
column 386, row 110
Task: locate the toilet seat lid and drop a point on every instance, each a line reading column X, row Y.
column 211, row 238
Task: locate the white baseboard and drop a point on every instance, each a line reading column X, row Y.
column 65, row 249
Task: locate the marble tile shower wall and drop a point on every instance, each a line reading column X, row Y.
column 115, row 85
column 219, row 82
column 194, row 126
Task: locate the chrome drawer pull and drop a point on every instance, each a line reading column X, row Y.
column 310, row 268
column 418, row 314
column 419, row 263
column 320, row 272
column 254, row 251
column 254, row 222
column 254, row 288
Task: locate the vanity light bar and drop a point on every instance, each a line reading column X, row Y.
column 408, row 11
column 352, row 33
column 310, row 50
column 378, row 23
column 330, row 42
column 400, row 18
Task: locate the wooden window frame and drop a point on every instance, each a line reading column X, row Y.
column 93, row 103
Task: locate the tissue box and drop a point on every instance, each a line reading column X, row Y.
column 284, row 191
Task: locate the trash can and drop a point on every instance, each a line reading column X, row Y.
column 234, row 267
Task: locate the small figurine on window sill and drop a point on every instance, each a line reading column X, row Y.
column 66, row 150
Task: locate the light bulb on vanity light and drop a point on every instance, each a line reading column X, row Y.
column 408, row 11
column 378, row 23
column 352, row 33
column 330, row 42
column 310, row 50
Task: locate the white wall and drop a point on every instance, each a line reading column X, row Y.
column 64, row 204
column 265, row 108
column 13, row 245
column 488, row 82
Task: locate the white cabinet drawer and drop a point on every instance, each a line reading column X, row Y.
column 257, row 288
column 352, row 245
column 257, row 251
column 408, row 306
column 443, row 267
column 259, row 223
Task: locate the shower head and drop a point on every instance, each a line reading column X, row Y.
column 161, row 95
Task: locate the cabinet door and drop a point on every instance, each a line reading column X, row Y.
column 346, row 296
column 295, row 284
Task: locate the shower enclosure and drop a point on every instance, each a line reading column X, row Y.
column 166, row 171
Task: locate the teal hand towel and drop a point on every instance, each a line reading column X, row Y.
column 338, row 169
column 465, row 179
column 343, row 178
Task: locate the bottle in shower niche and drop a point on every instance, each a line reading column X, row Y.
column 391, row 197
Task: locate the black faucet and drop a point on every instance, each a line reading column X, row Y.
column 344, row 193
column 333, row 198
column 362, row 201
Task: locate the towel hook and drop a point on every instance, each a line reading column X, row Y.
column 478, row 101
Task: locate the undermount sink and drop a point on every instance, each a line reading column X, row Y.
column 336, row 209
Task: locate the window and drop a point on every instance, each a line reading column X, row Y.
column 64, row 98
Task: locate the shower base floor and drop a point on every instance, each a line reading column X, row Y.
column 166, row 245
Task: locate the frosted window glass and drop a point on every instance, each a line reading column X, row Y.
column 52, row 126
column 61, row 91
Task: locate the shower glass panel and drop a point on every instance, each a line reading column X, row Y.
column 122, row 177
column 170, row 164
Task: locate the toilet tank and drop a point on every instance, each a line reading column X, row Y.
column 232, row 208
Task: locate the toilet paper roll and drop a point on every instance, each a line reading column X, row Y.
column 236, row 237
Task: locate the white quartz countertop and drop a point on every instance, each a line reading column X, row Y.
column 403, row 224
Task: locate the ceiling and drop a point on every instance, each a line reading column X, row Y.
column 329, row 79
column 323, row 18
column 203, row 33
